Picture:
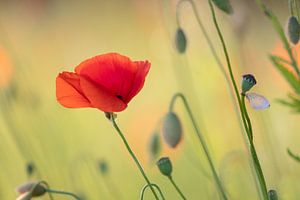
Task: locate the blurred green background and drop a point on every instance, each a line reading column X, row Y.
column 40, row 38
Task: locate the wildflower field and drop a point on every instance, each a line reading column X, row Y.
column 163, row 99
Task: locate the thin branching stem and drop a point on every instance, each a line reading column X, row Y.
column 147, row 186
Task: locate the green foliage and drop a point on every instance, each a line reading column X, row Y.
column 224, row 5
column 294, row 156
column 293, row 99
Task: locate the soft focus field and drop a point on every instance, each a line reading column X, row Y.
column 40, row 38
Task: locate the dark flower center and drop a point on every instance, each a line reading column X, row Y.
column 119, row 97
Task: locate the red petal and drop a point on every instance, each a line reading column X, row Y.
column 116, row 73
column 141, row 73
column 68, row 91
column 100, row 98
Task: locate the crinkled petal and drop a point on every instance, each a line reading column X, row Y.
column 101, row 98
column 68, row 91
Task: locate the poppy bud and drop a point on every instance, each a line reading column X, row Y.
column 154, row 145
column 172, row 130
column 30, row 168
column 293, row 30
column 224, row 5
column 35, row 189
column 165, row 166
column 248, row 82
column 180, row 41
column 273, row 195
column 102, row 166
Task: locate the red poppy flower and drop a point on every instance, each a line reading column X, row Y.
column 107, row 82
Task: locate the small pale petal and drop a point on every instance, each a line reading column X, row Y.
column 257, row 101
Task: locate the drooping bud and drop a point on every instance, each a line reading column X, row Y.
column 35, row 189
column 180, row 40
column 273, row 195
column 165, row 166
column 154, row 146
column 224, row 5
column 248, row 82
column 103, row 166
column 172, row 130
column 293, row 30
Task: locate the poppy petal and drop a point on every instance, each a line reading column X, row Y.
column 114, row 72
column 68, row 91
column 100, row 98
column 138, row 83
column 257, row 101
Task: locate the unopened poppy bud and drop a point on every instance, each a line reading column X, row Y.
column 248, row 82
column 172, row 130
column 103, row 167
column 154, row 145
column 180, row 40
column 30, row 168
column 224, row 5
column 273, row 195
column 165, row 166
column 35, row 189
column 293, row 30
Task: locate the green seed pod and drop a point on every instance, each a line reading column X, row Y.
column 248, row 82
column 224, row 5
column 273, row 195
column 103, row 167
column 35, row 189
column 154, row 146
column 165, row 166
column 172, row 130
column 293, row 30
column 180, row 40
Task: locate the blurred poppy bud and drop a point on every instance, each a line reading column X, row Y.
column 33, row 188
column 165, row 166
column 293, row 30
column 172, row 130
column 102, row 166
column 154, row 146
column 180, row 41
column 30, row 168
column 224, row 5
column 273, row 195
column 248, row 82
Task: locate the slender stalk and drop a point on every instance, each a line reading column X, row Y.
column 177, row 188
column 244, row 114
column 154, row 185
column 133, row 156
column 63, row 193
column 202, row 141
column 281, row 33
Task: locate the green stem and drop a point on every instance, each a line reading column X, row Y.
column 254, row 154
column 281, row 33
column 202, row 141
column 154, row 185
column 133, row 156
column 62, row 193
column 243, row 111
column 177, row 188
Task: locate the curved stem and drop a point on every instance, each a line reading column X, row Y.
column 243, row 110
column 133, row 156
column 63, row 193
column 254, row 154
column 202, row 141
column 177, row 188
column 154, row 185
